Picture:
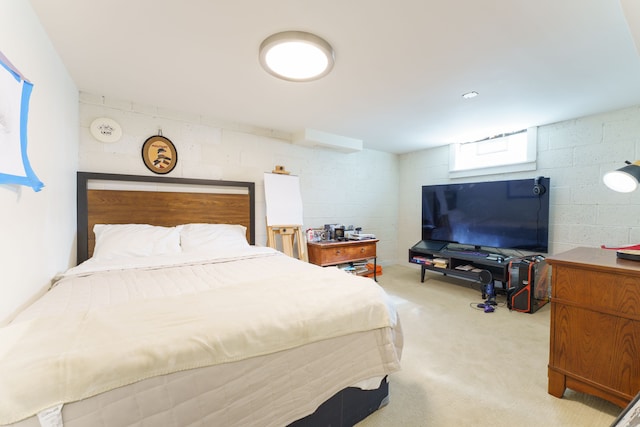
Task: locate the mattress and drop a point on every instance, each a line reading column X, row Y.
column 252, row 383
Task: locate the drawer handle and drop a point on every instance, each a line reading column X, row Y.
column 361, row 250
column 337, row 251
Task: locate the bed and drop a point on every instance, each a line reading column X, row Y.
column 173, row 317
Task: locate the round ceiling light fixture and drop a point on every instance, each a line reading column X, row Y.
column 296, row 56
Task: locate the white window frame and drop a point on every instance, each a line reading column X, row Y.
column 493, row 156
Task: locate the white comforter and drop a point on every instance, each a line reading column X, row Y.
column 103, row 326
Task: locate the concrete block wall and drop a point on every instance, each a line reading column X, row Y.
column 358, row 189
column 575, row 154
column 380, row 191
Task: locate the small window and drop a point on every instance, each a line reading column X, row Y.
column 512, row 152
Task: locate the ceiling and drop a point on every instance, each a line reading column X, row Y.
column 401, row 66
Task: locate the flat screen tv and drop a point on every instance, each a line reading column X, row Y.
column 510, row 214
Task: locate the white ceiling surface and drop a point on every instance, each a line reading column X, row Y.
column 401, row 65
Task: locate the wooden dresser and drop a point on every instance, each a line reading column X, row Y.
column 335, row 252
column 595, row 325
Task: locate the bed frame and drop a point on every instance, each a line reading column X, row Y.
column 130, row 199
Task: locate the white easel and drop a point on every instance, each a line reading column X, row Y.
column 284, row 212
column 288, row 234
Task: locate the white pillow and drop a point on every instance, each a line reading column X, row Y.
column 210, row 237
column 134, row 240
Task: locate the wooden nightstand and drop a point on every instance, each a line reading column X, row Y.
column 349, row 251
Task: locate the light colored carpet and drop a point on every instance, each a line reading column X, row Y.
column 464, row 367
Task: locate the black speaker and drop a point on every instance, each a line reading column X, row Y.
column 538, row 188
column 485, row 277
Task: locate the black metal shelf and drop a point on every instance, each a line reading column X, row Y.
column 424, row 253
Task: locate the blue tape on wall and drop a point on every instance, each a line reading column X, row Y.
column 15, row 93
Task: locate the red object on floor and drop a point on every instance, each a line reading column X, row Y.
column 378, row 270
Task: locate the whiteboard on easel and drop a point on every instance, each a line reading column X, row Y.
column 283, row 199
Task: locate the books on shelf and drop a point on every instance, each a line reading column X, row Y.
column 355, row 267
column 440, row 263
column 469, row 267
column 436, row 262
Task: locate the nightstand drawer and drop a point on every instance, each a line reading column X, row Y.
column 348, row 253
column 332, row 253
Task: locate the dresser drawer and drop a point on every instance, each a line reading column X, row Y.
column 611, row 291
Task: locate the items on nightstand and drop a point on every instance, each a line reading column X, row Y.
column 337, row 232
column 316, row 235
column 352, row 233
column 361, row 236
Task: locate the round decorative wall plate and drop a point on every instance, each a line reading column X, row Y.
column 105, row 130
column 159, row 154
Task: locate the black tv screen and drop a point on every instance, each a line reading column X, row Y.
column 510, row 214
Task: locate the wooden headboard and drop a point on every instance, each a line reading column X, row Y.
column 129, row 199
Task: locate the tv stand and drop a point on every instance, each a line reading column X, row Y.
column 459, row 261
